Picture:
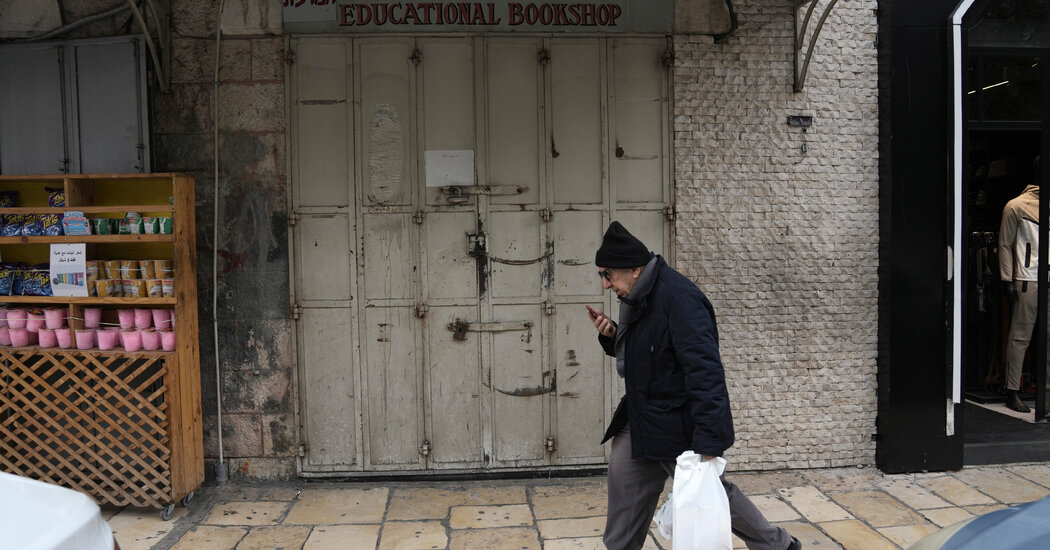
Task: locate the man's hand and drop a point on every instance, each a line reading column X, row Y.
column 605, row 326
column 1009, row 290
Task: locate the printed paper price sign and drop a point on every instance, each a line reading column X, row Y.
column 68, row 270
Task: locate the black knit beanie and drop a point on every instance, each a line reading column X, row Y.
column 621, row 249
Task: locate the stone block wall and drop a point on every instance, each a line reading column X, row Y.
column 255, row 330
column 785, row 242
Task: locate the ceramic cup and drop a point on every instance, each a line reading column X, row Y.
column 34, row 320
column 143, row 318
column 19, row 336
column 92, row 317
column 126, row 317
column 167, row 340
column 150, row 339
column 162, row 319
column 132, row 339
column 64, row 337
column 16, row 317
column 48, row 338
column 54, row 317
column 107, row 338
column 85, row 338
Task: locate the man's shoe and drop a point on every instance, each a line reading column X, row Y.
column 795, row 544
column 1014, row 402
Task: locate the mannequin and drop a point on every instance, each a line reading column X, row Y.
column 1018, row 269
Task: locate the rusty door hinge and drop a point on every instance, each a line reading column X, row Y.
column 302, row 449
column 297, row 312
column 421, row 310
column 552, row 444
column 546, row 214
column 425, row 448
column 668, row 57
column 293, row 218
column 548, row 308
column 417, row 218
column 669, row 212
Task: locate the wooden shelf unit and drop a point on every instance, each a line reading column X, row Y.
column 123, row 427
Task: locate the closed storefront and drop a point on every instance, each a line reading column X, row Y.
column 449, row 195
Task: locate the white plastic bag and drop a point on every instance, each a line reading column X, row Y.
column 701, row 507
column 665, row 517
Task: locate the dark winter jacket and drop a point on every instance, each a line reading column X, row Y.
column 676, row 396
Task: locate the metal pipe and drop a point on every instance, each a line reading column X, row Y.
column 80, row 22
column 221, row 475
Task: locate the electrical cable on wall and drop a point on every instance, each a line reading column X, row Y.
column 221, row 475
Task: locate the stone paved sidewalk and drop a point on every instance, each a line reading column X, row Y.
column 850, row 508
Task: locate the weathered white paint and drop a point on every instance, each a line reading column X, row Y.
column 525, row 366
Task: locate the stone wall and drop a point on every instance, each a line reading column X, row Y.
column 784, row 242
column 254, row 320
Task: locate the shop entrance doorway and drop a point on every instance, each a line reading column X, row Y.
column 1005, row 210
column 448, row 196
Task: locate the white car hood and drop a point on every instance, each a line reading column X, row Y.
column 39, row 516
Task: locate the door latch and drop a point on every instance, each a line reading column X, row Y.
column 476, row 245
column 425, row 448
column 459, row 329
column 421, row 310
column 552, row 444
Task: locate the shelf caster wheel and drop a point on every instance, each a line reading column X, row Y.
column 186, row 500
column 167, row 512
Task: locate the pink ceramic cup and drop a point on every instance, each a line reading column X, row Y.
column 107, row 338
column 54, row 317
column 48, row 338
column 16, row 317
column 92, row 317
column 34, row 320
column 85, row 338
column 126, row 317
column 167, row 340
column 143, row 318
column 162, row 319
column 132, row 340
column 19, row 337
column 150, row 339
column 64, row 337
column 5, row 336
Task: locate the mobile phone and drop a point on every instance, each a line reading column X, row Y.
column 591, row 312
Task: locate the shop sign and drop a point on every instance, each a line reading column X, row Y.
column 617, row 16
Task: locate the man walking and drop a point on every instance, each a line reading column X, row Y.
column 666, row 349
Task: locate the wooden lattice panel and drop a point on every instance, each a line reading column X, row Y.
column 90, row 421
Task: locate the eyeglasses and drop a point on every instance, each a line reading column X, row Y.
column 606, row 274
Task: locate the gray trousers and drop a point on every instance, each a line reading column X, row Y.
column 1021, row 324
column 634, row 490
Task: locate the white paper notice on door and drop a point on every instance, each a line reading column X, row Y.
column 68, row 270
column 452, row 167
